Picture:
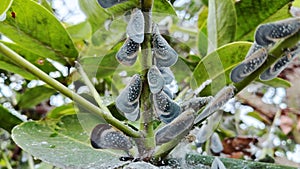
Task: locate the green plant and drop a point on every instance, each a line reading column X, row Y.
column 63, row 136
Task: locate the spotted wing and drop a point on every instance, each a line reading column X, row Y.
column 128, row 100
column 165, row 108
column 135, row 27
column 249, row 65
column 178, row 126
column 127, row 54
column 155, row 80
column 104, row 136
column 219, row 100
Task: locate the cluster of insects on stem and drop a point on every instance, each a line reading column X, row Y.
column 177, row 119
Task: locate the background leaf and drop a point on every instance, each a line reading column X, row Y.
column 194, row 159
column 34, row 28
column 217, row 66
column 221, row 23
column 66, row 140
column 34, row 96
column 7, row 119
column 252, row 13
column 4, row 6
column 163, row 6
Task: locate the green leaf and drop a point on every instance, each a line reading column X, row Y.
column 221, row 23
column 34, row 96
column 65, row 145
column 61, row 111
column 252, row 13
column 16, row 69
column 163, row 7
column 37, row 59
column 34, row 28
column 122, row 8
column 8, row 120
column 81, row 31
column 102, row 66
column 194, row 159
column 94, row 13
column 217, row 66
column 4, row 6
column 276, row 82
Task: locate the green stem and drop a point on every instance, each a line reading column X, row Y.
column 64, row 90
column 6, row 160
column 146, row 110
column 92, row 89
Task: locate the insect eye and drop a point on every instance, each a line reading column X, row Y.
column 155, row 80
column 128, row 100
column 216, row 103
column 104, row 136
column 178, row 126
column 127, row 54
column 135, row 27
column 109, row 3
column 165, row 108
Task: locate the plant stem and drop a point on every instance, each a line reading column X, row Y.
column 6, row 160
column 146, row 110
column 64, row 90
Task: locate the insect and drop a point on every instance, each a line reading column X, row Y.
column 178, row 126
column 217, row 164
column 280, row 64
column 165, row 108
column 164, row 55
column 216, row 145
column 128, row 100
column 266, row 36
column 155, row 80
column 135, row 27
column 127, row 54
column 216, row 103
column 109, row 3
column 105, row 136
column 167, row 74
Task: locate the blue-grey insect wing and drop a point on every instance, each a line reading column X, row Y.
column 135, row 27
column 217, row 164
column 279, row 65
column 216, row 103
column 109, row 3
column 249, row 65
column 267, row 34
column 164, row 54
column 196, row 103
column 216, row 145
column 128, row 100
column 104, row 136
column 155, row 80
column 127, row 55
column 167, row 74
column 178, row 126
column 165, row 108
